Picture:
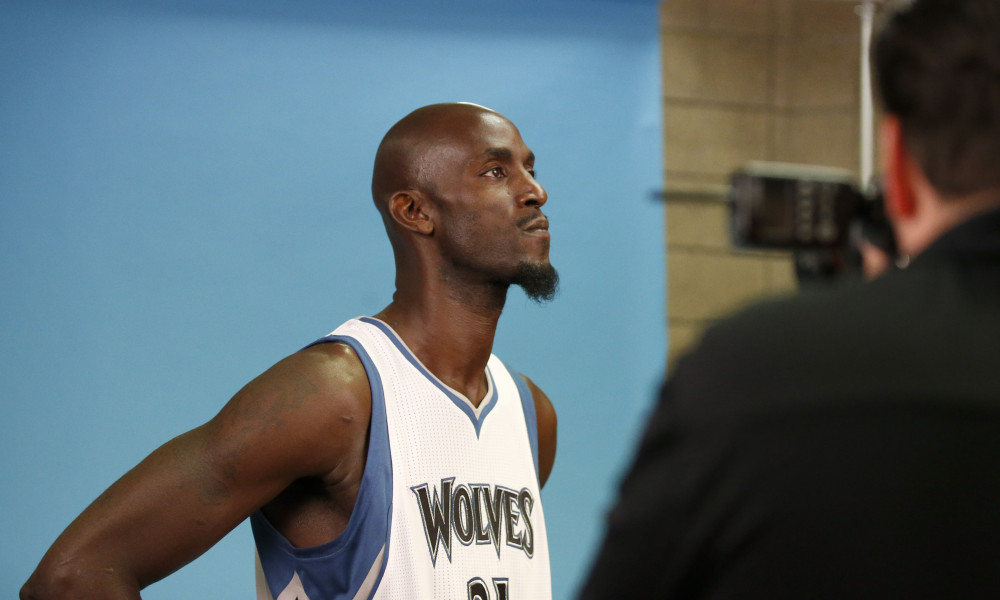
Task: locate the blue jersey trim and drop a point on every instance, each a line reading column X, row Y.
column 338, row 568
column 461, row 403
column 530, row 417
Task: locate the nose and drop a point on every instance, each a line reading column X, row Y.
column 534, row 194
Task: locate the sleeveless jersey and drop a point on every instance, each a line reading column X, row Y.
column 449, row 503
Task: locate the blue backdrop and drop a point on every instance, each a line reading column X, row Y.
column 184, row 201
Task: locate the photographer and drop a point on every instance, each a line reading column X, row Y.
column 847, row 444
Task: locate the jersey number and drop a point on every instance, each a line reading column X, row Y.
column 479, row 591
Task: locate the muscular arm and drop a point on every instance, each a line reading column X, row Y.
column 546, row 416
column 302, row 418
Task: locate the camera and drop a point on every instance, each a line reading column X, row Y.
column 818, row 213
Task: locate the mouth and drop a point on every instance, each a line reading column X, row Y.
column 537, row 226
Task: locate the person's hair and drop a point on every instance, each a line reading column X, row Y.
column 937, row 68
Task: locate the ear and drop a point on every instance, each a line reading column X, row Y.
column 897, row 169
column 413, row 211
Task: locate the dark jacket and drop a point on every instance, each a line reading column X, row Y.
column 835, row 445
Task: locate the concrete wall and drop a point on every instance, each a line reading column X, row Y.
column 744, row 80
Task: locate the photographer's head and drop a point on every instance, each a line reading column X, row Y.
column 937, row 70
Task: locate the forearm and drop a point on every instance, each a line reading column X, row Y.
column 106, row 552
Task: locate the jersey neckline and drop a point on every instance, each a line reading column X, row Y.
column 476, row 414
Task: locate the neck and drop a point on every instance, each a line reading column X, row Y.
column 938, row 215
column 451, row 334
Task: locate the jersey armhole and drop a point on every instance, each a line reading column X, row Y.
column 357, row 558
column 530, row 418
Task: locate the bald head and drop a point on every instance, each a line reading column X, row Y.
column 405, row 158
column 455, row 185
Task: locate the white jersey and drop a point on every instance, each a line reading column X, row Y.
column 449, row 504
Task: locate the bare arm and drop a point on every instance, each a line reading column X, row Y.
column 546, row 415
column 299, row 419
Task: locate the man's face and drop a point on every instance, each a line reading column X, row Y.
column 491, row 227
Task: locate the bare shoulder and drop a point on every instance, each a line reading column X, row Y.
column 311, row 409
column 545, row 414
column 543, row 406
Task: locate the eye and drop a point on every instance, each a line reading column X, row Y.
column 496, row 172
column 531, row 171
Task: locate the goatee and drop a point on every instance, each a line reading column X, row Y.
column 540, row 281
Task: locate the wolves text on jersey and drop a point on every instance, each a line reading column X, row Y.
column 477, row 513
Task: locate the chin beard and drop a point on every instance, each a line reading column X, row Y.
column 540, row 281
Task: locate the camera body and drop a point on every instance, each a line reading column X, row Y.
column 818, row 213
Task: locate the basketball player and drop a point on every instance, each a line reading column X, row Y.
column 396, row 458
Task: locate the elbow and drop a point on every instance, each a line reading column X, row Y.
column 71, row 580
column 43, row 585
column 28, row 592
column 48, row 583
